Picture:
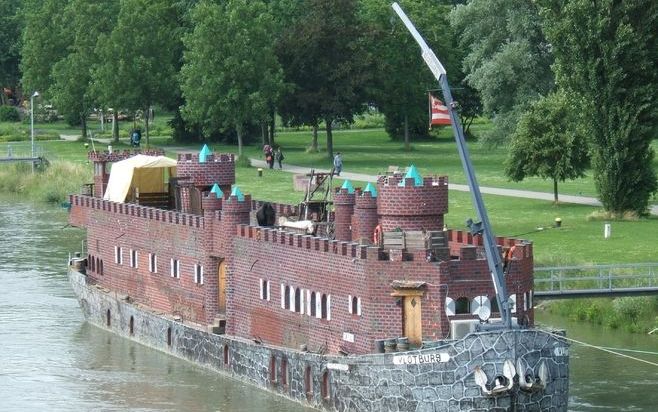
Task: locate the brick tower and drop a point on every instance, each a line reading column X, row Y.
column 412, row 203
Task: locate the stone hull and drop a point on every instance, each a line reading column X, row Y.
column 417, row 380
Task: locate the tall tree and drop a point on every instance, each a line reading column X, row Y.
column 10, row 43
column 71, row 91
column 401, row 79
column 141, row 57
column 507, row 59
column 606, row 54
column 230, row 53
column 323, row 57
column 548, row 143
column 45, row 41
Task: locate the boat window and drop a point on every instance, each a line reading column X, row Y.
column 462, row 306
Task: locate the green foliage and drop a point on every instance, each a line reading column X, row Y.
column 632, row 314
column 9, row 114
column 231, row 53
column 606, row 56
column 508, row 59
column 400, row 77
column 141, row 58
column 10, row 43
column 548, row 143
column 324, row 59
column 45, row 41
column 71, row 91
column 52, row 185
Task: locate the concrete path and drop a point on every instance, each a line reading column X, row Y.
column 527, row 194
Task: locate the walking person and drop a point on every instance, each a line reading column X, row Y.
column 338, row 163
column 278, row 156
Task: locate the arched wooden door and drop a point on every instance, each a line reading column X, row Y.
column 221, row 287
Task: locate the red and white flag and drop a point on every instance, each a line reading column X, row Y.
column 439, row 115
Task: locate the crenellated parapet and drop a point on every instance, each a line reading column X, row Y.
column 406, row 204
column 217, row 168
column 81, row 206
column 116, row 156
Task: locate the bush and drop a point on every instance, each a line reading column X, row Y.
column 9, row 114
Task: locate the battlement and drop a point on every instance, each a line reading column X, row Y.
column 218, row 168
column 411, row 206
column 128, row 209
column 308, row 242
column 395, row 180
column 116, row 156
column 469, row 247
column 210, row 158
column 281, row 209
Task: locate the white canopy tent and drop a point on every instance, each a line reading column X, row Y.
column 145, row 174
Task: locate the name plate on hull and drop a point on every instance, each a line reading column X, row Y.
column 417, row 359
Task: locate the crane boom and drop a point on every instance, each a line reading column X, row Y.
column 483, row 227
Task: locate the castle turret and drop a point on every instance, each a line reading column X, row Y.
column 212, row 201
column 235, row 211
column 344, row 200
column 365, row 219
column 411, row 202
column 215, row 168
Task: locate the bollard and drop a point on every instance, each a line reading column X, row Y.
column 260, row 172
column 607, row 231
column 558, row 222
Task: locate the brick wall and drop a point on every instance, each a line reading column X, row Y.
column 412, row 207
column 344, row 208
column 365, row 218
column 218, row 168
column 168, row 235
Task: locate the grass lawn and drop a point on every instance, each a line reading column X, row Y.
column 578, row 241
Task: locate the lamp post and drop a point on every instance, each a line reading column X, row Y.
column 35, row 94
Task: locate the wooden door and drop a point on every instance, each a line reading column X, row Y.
column 411, row 319
column 221, row 287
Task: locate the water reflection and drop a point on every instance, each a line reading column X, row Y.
column 603, row 381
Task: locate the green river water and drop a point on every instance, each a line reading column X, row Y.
column 51, row 360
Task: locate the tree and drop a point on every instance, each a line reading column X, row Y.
column 548, row 143
column 230, row 53
column 325, row 61
column 141, row 57
column 507, row 59
column 606, row 54
column 45, row 41
column 10, row 43
column 71, row 91
column 401, row 78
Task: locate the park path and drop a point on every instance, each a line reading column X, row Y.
column 527, row 194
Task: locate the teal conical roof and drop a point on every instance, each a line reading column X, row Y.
column 412, row 173
column 217, row 191
column 205, row 151
column 237, row 193
column 371, row 188
column 348, row 185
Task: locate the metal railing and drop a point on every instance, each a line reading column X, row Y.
column 596, row 280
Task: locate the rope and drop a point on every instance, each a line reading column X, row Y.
column 609, row 350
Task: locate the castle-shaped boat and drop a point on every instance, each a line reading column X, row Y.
column 388, row 310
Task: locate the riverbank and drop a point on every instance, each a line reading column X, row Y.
column 577, row 241
column 629, row 314
column 48, row 184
